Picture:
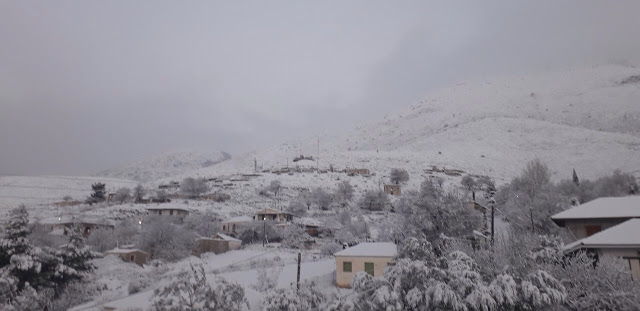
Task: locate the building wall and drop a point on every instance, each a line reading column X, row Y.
column 634, row 264
column 632, row 258
column 140, row 258
column 579, row 227
column 228, row 227
column 343, row 279
column 211, row 245
column 392, row 189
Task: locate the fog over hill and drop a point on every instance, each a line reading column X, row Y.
column 583, row 118
column 166, row 165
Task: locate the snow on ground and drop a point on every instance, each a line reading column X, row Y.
column 45, row 190
column 239, row 266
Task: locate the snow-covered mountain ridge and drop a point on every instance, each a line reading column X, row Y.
column 586, row 118
column 166, row 165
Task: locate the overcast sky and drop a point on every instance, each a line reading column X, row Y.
column 88, row 85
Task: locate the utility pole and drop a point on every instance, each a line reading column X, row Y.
column 493, row 219
column 264, row 231
column 533, row 228
column 255, row 165
column 298, row 276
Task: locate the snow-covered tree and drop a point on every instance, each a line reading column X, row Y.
column 138, row 193
column 374, row 200
column 98, row 195
column 165, row 240
column 307, row 298
column 468, row 182
column 295, row 237
column 345, row 191
column 419, row 281
column 275, row 186
column 192, row 292
column 122, row 195
column 398, row 176
column 205, row 224
column 256, row 231
column 76, row 258
column 321, row 198
column 193, row 188
column 297, row 208
column 267, row 279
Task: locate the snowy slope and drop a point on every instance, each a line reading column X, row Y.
column 166, row 165
column 584, row 118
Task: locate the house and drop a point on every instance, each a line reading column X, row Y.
column 82, row 224
column 235, row 224
column 129, row 254
column 311, row 226
column 219, row 243
column 622, row 241
column 233, row 242
column 364, row 257
column 598, row 215
column 392, row 189
column 170, row 210
column 271, row 214
column 210, row 245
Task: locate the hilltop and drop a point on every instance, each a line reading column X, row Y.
column 586, row 118
column 166, row 165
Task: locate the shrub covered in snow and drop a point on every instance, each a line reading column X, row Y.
column 307, row 298
column 191, row 291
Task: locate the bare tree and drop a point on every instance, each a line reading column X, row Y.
column 322, row 198
column 398, row 175
column 275, row 186
column 161, row 196
column 122, row 195
column 138, row 193
column 193, row 188
column 374, row 200
column 164, row 239
column 345, row 191
column 468, row 182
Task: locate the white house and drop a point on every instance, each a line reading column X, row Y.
column 235, row 224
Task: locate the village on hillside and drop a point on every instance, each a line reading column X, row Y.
column 138, row 245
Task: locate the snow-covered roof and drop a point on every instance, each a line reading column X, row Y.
column 617, row 207
column 227, row 238
column 124, row 251
column 269, row 211
column 307, row 221
column 369, row 249
column 76, row 220
column 624, row 235
column 238, row 219
column 170, row 207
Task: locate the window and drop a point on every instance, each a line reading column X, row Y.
column 171, row 212
column 368, row 268
column 346, row 266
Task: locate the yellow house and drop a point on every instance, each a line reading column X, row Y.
column 598, row 215
column 371, row 258
column 621, row 241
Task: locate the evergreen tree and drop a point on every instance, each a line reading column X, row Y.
column 575, row 178
column 76, row 258
column 98, row 195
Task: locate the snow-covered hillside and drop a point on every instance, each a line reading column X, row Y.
column 166, row 165
column 587, row 119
